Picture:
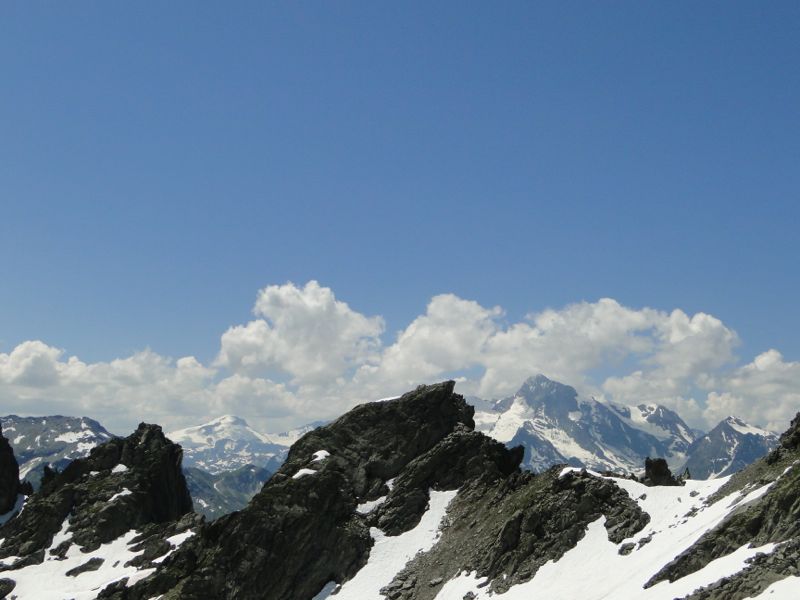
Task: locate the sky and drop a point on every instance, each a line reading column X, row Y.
column 280, row 209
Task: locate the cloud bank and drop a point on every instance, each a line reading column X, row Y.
column 307, row 355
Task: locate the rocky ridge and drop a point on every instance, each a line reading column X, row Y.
column 403, row 499
column 302, row 530
column 128, row 493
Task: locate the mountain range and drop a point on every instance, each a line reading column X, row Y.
column 53, row 440
column 404, row 499
column 226, row 461
column 555, row 425
column 229, row 443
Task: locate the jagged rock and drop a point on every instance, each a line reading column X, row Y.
column 9, row 476
column 123, row 484
column 791, row 437
column 6, row 587
column 506, row 528
column 90, row 565
column 461, row 456
column 656, row 472
column 301, row 530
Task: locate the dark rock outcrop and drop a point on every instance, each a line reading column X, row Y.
column 462, row 456
column 123, row 484
column 507, row 528
column 302, row 529
column 656, row 472
column 9, row 476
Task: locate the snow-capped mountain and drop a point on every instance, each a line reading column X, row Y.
column 404, row 500
column 228, row 443
column 55, row 440
column 556, row 426
column 729, row 447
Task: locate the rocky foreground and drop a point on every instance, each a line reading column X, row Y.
column 403, row 499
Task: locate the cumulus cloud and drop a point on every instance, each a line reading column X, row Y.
column 305, row 332
column 308, row 355
column 764, row 391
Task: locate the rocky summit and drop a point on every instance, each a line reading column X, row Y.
column 107, row 514
column 404, row 500
column 9, row 476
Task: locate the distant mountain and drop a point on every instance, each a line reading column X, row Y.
column 56, row 440
column 404, row 500
column 218, row 494
column 728, row 448
column 556, row 426
column 229, row 443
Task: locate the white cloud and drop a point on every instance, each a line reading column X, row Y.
column 765, row 391
column 308, row 356
column 305, row 332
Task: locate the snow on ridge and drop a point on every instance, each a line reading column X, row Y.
column 124, row 492
column 678, row 520
column 367, row 507
column 320, row 455
column 303, row 473
column 390, row 554
column 745, row 428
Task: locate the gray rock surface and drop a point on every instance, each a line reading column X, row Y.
column 9, row 476
column 124, row 484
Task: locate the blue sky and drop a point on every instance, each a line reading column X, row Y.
column 161, row 163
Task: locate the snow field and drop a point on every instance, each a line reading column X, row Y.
column 678, row 520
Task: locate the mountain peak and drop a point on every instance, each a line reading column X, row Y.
column 538, row 380
column 230, row 420
column 743, row 427
column 540, row 391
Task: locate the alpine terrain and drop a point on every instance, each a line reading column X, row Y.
column 53, row 440
column 404, row 499
column 555, row 425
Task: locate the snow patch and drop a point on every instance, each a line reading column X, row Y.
column 303, row 473
column 679, row 517
column 367, row 507
column 320, row 455
column 390, row 554
column 124, row 492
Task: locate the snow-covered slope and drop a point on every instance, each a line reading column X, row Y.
column 228, row 443
column 55, row 440
column 556, row 426
column 108, row 519
column 596, row 568
column 403, row 500
column 729, row 447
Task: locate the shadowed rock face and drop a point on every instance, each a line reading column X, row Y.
column 302, row 529
column 507, row 528
column 145, row 467
column 9, row 476
column 656, row 472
